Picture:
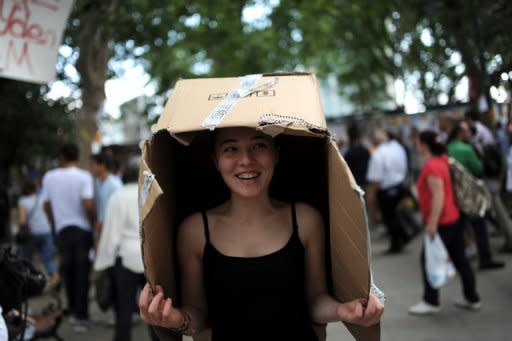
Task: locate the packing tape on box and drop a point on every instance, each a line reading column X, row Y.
column 147, row 181
column 248, row 85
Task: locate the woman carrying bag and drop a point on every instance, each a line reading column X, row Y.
column 36, row 231
column 441, row 215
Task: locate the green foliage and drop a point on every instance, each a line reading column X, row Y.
column 31, row 129
column 365, row 44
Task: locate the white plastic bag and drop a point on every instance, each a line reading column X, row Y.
column 439, row 267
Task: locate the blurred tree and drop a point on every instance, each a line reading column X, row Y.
column 366, row 44
column 31, row 128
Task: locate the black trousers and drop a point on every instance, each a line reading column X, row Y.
column 74, row 245
column 126, row 283
column 453, row 239
column 482, row 239
column 388, row 200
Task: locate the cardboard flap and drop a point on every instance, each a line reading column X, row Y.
column 347, row 230
column 149, row 191
column 348, row 237
column 156, row 236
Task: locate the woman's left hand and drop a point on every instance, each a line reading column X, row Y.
column 431, row 228
column 360, row 311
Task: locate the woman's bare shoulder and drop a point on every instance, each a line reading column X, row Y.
column 307, row 213
column 309, row 220
column 191, row 231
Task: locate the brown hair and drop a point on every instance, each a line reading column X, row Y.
column 28, row 187
column 431, row 139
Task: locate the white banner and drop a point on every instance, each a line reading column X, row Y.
column 30, row 35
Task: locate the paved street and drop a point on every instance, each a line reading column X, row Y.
column 399, row 277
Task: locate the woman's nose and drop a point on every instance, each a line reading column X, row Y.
column 245, row 157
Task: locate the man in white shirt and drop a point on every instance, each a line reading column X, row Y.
column 387, row 171
column 68, row 201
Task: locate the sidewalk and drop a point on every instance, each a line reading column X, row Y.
column 399, row 277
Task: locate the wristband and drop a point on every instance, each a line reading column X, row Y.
column 184, row 325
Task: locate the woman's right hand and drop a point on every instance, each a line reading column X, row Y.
column 159, row 311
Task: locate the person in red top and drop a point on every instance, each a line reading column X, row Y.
column 441, row 215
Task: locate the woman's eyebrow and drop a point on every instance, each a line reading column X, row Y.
column 227, row 141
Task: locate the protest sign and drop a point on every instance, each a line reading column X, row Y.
column 30, row 35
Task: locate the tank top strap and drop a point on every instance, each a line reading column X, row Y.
column 205, row 224
column 295, row 226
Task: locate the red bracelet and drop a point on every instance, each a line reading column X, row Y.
column 184, row 325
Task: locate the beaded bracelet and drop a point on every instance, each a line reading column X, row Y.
column 184, row 325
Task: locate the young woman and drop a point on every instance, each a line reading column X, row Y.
column 253, row 267
column 441, row 215
column 31, row 215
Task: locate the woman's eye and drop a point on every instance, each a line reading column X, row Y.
column 229, row 149
column 260, row 146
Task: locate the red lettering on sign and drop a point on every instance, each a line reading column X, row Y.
column 17, row 24
column 24, row 58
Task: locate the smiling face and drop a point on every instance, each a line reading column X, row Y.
column 246, row 159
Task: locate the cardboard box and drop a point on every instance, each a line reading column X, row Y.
column 178, row 178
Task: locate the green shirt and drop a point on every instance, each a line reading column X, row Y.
column 466, row 155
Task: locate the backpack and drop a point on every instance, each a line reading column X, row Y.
column 492, row 160
column 471, row 194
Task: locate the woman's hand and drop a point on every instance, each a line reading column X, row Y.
column 159, row 311
column 360, row 311
column 431, row 228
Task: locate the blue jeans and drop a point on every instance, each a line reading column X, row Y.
column 45, row 248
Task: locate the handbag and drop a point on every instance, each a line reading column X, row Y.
column 19, row 280
column 438, row 265
column 104, row 287
column 24, row 235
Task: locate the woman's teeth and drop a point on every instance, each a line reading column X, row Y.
column 248, row 176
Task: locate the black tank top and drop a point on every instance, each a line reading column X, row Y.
column 257, row 298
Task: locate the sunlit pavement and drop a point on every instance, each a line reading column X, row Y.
column 399, row 277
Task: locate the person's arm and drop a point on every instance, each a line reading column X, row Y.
column 160, row 311
column 90, row 212
column 87, row 195
column 435, row 185
column 323, row 307
column 22, row 215
column 49, row 214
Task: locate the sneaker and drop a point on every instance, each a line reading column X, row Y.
column 81, row 326
column 492, row 265
column 72, row 320
column 424, row 308
column 462, row 303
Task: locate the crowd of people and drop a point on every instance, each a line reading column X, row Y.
column 79, row 220
column 83, row 220
column 393, row 169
